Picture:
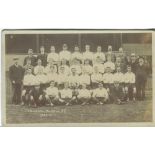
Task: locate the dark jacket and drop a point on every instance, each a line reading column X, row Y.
column 43, row 58
column 16, row 73
column 141, row 73
column 33, row 60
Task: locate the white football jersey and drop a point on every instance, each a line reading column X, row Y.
column 87, row 55
column 108, row 78
column 100, row 93
column 84, row 93
column 76, row 55
column 88, row 69
column 109, row 64
column 39, row 69
column 119, row 77
column 95, row 78
column 84, row 79
column 129, row 77
column 30, row 80
column 65, row 55
column 77, row 67
column 53, row 57
column 66, row 93
column 100, row 55
column 100, row 67
column 52, row 91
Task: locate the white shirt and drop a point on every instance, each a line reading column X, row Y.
column 88, row 55
column 100, row 67
column 84, row 93
column 76, row 55
column 66, row 69
column 48, row 69
column 62, row 78
column 96, row 77
column 73, row 80
column 129, row 77
column 66, row 93
column 53, row 56
column 65, row 55
column 88, row 69
column 108, row 78
column 39, row 69
column 52, row 91
column 100, row 93
column 119, row 77
column 77, row 67
column 52, row 77
column 30, row 80
column 84, row 79
column 101, row 55
column 109, row 64
column 41, row 78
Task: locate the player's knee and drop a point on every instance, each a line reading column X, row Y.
column 23, row 92
column 40, row 97
column 126, row 89
column 31, row 98
column 134, row 90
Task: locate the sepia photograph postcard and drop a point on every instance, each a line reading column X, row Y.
column 75, row 77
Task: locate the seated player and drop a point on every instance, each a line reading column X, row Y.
column 29, row 82
column 51, row 95
column 96, row 78
column 99, row 55
column 129, row 80
column 87, row 67
column 50, row 67
column 87, row 54
column 53, row 56
column 76, row 54
column 84, row 79
column 76, row 64
column 39, row 67
column 65, row 54
column 100, row 95
column 117, row 93
column 84, row 95
column 42, row 56
column 109, row 63
column 62, row 77
column 66, row 95
column 66, row 67
column 99, row 65
column 28, row 65
column 108, row 79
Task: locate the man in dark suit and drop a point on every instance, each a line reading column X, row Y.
column 30, row 57
column 16, row 73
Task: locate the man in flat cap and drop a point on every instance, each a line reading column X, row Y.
column 16, row 73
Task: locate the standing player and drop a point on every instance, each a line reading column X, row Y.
column 84, row 95
column 96, row 78
column 31, row 57
column 99, row 55
column 87, row 55
column 66, row 95
column 141, row 78
column 130, row 89
column 39, row 67
column 65, row 54
column 42, row 56
column 109, row 64
column 16, row 74
column 100, row 94
column 53, row 56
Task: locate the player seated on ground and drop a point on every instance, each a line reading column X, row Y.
column 31, row 57
column 76, row 64
column 109, row 63
column 129, row 80
column 99, row 65
column 99, row 55
column 42, row 56
column 117, row 93
column 76, row 55
column 50, row 96
column 84, row 95
column 65, row 54
column 87, row 67
column 62, row 77
column 87, row 54
column 66, row 96
column 84, row 78
column 66, row 67
column 39, row 67
column 100, row 95
column 27, row 66
column 96, row 78
column 53, row 56
column 29, row 82
column 108, row 79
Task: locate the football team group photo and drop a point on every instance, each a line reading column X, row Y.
column 82, row 77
